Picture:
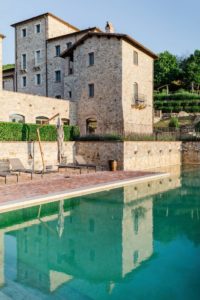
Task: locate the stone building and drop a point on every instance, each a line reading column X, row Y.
column 112, row 80
column 9, row 78
column 108, row 75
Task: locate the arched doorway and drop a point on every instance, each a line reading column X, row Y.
column 91, row 126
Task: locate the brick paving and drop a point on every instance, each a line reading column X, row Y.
column 56, row 183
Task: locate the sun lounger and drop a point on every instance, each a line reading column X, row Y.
column 82, row 163
column 5, row 170
column 17, row 166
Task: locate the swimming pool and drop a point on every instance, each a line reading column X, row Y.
column 127, row 243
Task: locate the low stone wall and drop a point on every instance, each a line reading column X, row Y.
column 191, row 153
column 150, row 155
column 100, row 153
column 22, row 150
column 132, row 155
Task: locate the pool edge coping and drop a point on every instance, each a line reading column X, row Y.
column 53, row 197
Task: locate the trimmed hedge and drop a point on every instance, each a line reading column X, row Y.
column 28, row 132
column 177, row 102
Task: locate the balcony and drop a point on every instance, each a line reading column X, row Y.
column 139, row 101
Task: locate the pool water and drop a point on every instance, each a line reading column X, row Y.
column 137, row 242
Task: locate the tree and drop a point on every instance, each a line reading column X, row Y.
column 191, row 70
column 166, row 69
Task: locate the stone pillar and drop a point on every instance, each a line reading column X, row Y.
column 1, row 39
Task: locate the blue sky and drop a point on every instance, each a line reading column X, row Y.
column 158, row 24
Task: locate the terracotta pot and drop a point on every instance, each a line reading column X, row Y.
column 113, row 165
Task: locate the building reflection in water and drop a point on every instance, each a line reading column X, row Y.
column 89, row 243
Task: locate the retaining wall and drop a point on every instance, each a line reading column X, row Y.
column 130, row 155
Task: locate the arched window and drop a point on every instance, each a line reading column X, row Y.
column 65, row 121
column 42, row 120
column 91, row 126
column 17, row 118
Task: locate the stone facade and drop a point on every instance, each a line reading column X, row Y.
column 136, row 119
column 113, row 75
column 105, row 74
column 29, row 44
column 108, row 75
column 55, row 62
column 31, row 107
column 9, row 79
column 191, row 153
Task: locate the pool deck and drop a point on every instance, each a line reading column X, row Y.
column 55, row 187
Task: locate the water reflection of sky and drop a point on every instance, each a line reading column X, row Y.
column 120, row 244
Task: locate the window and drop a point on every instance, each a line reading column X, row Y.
column 24, row 32
column 57, row 50
column 42, row 120
column 91, row 90
column 24, row 81
column 23, row 62
column 69, row 44
column 17, row 118
column 71, row 65
column 37, row 57
column 58, row 76
column 135, row 57
column 58, row 96
column 37, row 28
column 135, row 92
column 91, row 58
column 70, row 94
column 65, row 121
column 38, row 79
column 91, row 126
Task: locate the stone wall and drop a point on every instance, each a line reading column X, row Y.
column 100, row 153
column 22, row 150
column 132, row 155
column 135, row 119
column 191, row 153
column 8, row 84
column 150, row 155
column 28, row 45
column 106, row 75
column 34, row 106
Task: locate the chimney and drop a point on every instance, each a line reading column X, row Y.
column 1, row 75
column 109, row 28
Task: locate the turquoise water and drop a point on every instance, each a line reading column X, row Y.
column 127, row 243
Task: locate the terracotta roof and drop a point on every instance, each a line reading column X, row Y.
column 44, row 15
column 2, row 36
column 125, row 37
column 74, row 33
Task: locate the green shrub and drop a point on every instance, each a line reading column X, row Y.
column 11, row 131
column 96, row 137
column 28, row 132
column 174, row 123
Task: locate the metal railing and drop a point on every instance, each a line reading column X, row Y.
column 139, row 100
